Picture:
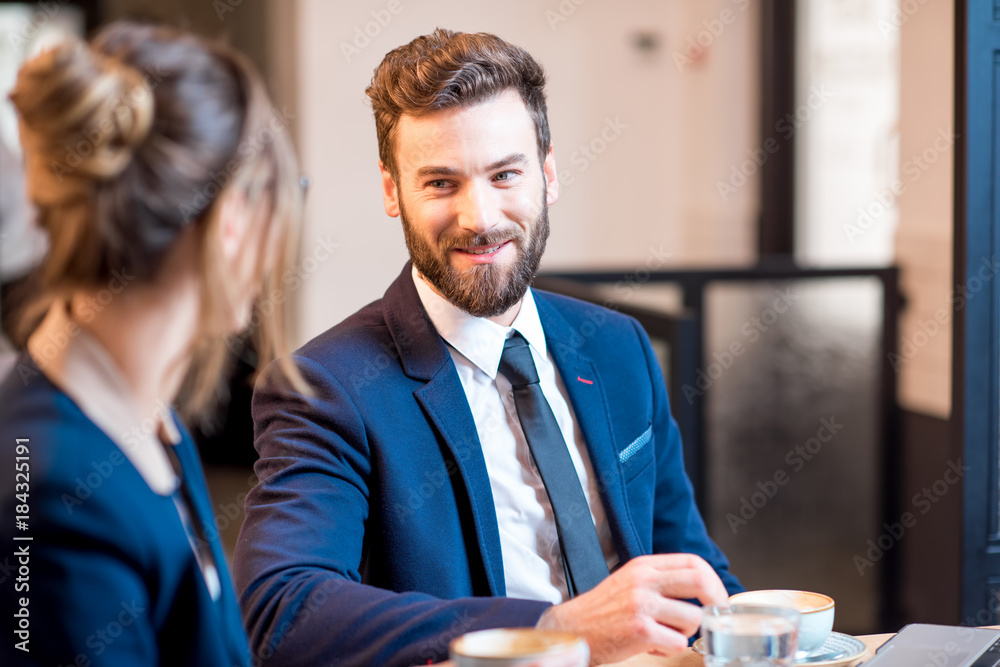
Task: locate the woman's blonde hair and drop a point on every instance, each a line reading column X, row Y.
column 129, row 141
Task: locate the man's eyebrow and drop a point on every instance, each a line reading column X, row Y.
column 512, row 159
column 436, row 171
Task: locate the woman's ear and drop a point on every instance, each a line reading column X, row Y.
column 233, row 222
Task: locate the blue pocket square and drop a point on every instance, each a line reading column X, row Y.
column 636, row 445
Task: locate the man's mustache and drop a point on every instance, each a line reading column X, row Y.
column 490, row 238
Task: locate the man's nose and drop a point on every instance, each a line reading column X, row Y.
column 478, row 210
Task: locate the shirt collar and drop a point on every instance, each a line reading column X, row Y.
column 478, row 339
column 77, row 363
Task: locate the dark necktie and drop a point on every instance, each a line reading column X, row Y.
column 582, row 554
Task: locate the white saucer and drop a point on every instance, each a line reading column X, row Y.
column 838, row 649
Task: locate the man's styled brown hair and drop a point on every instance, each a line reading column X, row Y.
column 445, row 70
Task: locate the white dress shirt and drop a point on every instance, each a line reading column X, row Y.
column 532, row 560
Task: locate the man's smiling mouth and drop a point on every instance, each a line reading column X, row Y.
column 481, row 251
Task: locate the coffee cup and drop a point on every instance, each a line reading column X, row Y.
column 519, row 647
column 817, row 612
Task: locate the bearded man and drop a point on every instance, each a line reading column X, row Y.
column 477, row 454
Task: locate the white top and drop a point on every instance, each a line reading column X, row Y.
column 79, row 365
column 532, row 560
column 76, row 363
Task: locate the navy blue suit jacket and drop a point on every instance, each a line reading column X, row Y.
column 372, row 539
column 110, row 576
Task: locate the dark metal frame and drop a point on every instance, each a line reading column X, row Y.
column 776, row 226
column 976, row 346
column 684, row 333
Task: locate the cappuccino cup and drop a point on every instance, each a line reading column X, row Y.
column 817, row 612
column 519, row 647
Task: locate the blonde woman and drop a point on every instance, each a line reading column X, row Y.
column 170, row 196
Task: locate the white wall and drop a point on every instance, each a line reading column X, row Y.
column 847, row 120
column 874, row 168
column 650, row 192
column 924, row 240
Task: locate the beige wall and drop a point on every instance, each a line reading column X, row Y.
column 924, row 235
column 650, row 192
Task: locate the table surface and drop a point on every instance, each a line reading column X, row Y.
column 690, row 658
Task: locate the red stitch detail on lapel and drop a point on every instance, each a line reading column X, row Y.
column 584, row 381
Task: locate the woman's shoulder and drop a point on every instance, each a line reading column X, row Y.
column 34, row 409
column 68, row 455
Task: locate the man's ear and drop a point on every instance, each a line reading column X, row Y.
column 551, row 177
column 390, row 194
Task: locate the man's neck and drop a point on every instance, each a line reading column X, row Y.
column 504, row 319
column 507, row 318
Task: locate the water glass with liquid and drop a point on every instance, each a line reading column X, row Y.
column 748, row 635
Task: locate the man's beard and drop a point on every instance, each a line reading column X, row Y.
column 484, row 290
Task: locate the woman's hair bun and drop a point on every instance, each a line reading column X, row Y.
column 83, row 114
column 129, row 143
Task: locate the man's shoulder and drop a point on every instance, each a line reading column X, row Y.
column 366, row 329
column 572, row 305
column 591, row 319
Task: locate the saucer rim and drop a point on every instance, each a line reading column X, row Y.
column 833, row 662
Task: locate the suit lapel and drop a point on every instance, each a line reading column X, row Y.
column 425, row 356
column 449, row 412
column 586, row 394
column 192, row 472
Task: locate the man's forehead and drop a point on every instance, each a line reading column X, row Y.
column 488, row 131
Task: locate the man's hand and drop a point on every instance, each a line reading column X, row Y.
column 640, row 607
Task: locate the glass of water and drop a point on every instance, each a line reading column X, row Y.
column 750, row 635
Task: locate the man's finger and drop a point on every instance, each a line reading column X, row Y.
column 713, row 590
column 678, row 615
column 672, row 561
column 707, row 587
column 690, row 583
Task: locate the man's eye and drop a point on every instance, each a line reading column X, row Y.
column 504, row 176
column 438, row 184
